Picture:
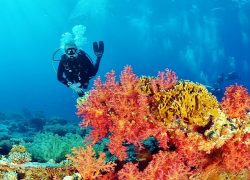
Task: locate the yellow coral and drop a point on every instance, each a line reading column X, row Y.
column 189, row 102
column 83, row 99
column 19, row 155
column 144, row 85
column 18, row 148
column 221, row 130
column 214, row 172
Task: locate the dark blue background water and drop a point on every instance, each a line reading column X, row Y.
column 196, row 38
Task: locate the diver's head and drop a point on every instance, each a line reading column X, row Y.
column 71, row 50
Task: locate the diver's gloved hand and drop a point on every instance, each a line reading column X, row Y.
column 98, row 49
column 76, row 87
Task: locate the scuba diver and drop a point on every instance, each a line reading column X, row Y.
column 232, row 76
column 222, row 80
column 76, row 67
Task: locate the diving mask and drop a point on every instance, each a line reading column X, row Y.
column 71, row 52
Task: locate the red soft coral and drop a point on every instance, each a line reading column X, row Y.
column 165, row 165
column 94, row 111
column 121, row 110
column 130, row 171
column 186, row 145
column 236, row 154
column 236, row 101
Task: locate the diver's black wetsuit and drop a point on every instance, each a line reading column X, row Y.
column 80, row 69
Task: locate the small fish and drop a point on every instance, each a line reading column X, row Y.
column 144, row 155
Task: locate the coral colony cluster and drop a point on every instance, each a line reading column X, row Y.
column 158, row 128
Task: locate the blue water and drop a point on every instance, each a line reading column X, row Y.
column 197, row 39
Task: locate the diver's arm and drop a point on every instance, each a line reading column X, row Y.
column 98, row 50
column 92, row 68
column 97, row 63
column 60, row 74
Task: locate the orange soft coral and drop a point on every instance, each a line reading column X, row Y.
column 88, row 165
column 121, row 110
column 236, row 101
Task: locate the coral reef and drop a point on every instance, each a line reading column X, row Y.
column 34, row 171
column 190, row 129
column 145, row 128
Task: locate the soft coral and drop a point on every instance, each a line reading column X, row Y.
column 236, row 101
column 236, row 154
column 122, row 111
column 165, row 165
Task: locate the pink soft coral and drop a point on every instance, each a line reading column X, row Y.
column 123, row 111
column 236, row 101
column 164, row 81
